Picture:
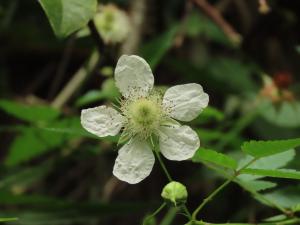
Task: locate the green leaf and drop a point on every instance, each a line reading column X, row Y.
column 90, row 97
column 32, row 209
column 209, row 114
column 154, row 50
column 223, row 69
column 31, row 143
column 257, row 185
column 169, row 216
column 34, row 141
column 259, row 149
column 29, row 113
column 197, row 24
column 284, row 115
column 24, row 177
column 288, row 221
column 68, row 16
column 209, row 135
column 214, row 157
column 270, row 162
column 7, row 219
column 108, row 91
column 276, row 218
column 71, row 128
column 279, row 173
column 286, row 198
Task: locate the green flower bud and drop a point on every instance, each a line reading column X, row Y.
column 112, row 23
column 175, row 193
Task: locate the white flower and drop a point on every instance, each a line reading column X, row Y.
column 144, row 115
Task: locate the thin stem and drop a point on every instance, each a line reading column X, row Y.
column 76, row 81
column 155, row 213
column 62, row 67
column 185, row 209
column 220, row 188
column 258, row 195
column 216, row 16
column 96, row 36
column 163, row 165
column 209, row 198
column 286, row 222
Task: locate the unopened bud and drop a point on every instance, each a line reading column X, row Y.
column 112, row 23
column 175, row 193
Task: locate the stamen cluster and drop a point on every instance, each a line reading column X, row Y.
column 143, row 115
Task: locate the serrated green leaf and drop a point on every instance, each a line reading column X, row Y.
column 259, row 149
column 29, row 113
column 67, row 16
column 214, row 157
column 279, row 173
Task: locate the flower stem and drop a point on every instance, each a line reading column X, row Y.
column 220, row 188
column 155, row 213
column 163, row 165
column 206, row 200
column 185, row 209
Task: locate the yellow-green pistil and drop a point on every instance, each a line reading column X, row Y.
column 144, row 116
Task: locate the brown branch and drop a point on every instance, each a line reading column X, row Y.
column 62, row 67
column 216, row 16
column 138, row 17
column 76, row 81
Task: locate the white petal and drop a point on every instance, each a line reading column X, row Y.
column 186, row 101
column 102, row 121
column 133, row 76
column 178, row 142
column 134, row 162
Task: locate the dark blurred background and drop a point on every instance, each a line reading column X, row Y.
column 61, row 175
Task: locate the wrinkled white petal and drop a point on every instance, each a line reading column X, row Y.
column 133, row 76
column 134, row 162
column 178, row 142
column 186, row 101
column 102, row 121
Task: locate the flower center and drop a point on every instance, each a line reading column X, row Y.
column 144, row 112
column 144, row 116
